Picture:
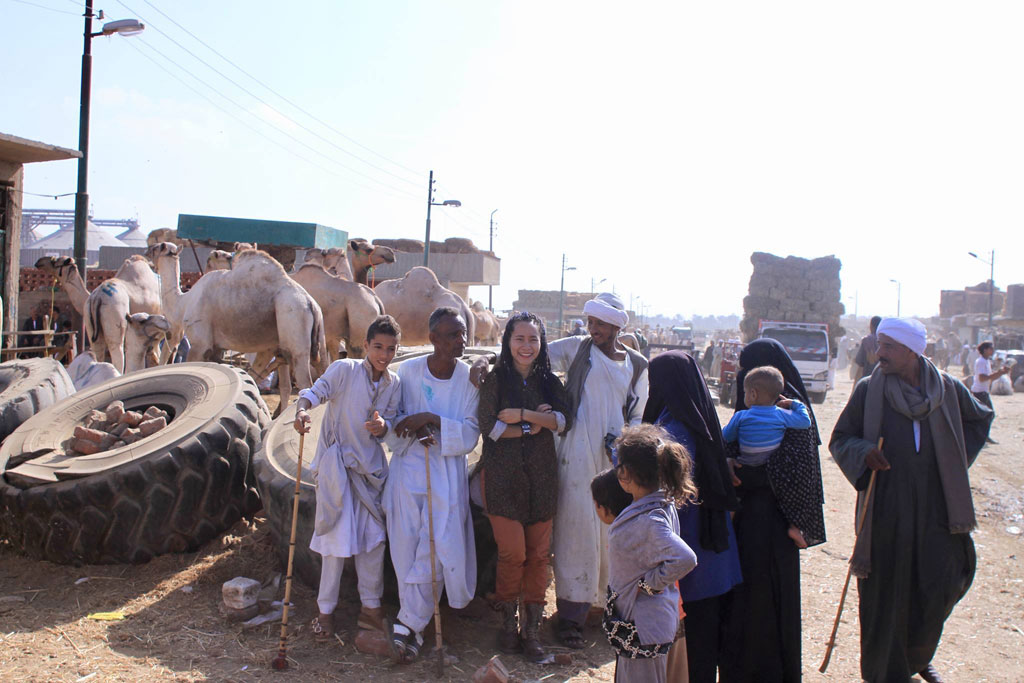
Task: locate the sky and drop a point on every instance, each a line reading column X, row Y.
column 655, row 144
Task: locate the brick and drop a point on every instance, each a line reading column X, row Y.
column 152, row 426
column 84, row 447
column 114, row 411
column 373, row 643
column 492, row 672
column 132, row 418
column 86, row 434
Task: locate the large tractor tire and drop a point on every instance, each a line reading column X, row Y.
column 28, row 386
column 276, row 464
column 169, row 492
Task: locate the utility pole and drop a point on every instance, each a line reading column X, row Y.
column 430, row 203
column 991, row 288
column 82, row 193
column 561, row 297
column 490, row 288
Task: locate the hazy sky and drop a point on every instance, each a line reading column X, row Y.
column 656, row 144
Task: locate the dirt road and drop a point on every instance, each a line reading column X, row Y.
column 172, row 629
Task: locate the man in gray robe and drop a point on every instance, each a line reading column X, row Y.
column 914, row 557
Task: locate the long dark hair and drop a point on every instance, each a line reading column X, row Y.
column 653, row 460
column 505, row 368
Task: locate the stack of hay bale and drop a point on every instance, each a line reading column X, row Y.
column 793, row 289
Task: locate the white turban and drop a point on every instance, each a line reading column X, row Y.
column 607, row 308
column 907, row 331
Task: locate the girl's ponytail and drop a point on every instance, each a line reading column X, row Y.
column 675, row 473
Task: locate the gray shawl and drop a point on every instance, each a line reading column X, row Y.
column 938, row 406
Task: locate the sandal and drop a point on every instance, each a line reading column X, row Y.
column 571, row 635
column 323, row 628
column 371, row 619
column 404, row 644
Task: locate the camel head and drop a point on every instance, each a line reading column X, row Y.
column 59, row 267
column 144, row 334
column 163, row 250
column 314, row 256
column 332, row 258
column 363, row 255
column 219, row 260
column 243, row 246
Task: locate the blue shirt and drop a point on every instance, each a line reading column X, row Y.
column 759, row 429
column 716, row 573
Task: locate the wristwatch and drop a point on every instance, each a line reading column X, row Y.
column 526, row 428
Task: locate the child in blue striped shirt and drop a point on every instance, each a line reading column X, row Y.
column 760, row 429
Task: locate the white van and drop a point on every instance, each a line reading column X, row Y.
column 807, row 344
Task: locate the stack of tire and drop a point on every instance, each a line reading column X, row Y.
column 170, row 492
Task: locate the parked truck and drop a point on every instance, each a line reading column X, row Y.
column 807, row 344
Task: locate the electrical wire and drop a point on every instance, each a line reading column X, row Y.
column 44, row 194
column 298, row 107
column 246, row 123
column 52, row 9
column 264, row 102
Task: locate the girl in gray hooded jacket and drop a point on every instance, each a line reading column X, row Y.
column 646, row 555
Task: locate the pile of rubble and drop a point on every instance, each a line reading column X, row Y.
column 793, row 289
column 116, row 427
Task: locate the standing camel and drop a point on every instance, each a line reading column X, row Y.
column 413, row 298
column 348, row 308
column 488, row 330
column 256, row 307
column 133, row 289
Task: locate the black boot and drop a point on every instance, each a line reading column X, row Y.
column 532, row 649
column 508, row 637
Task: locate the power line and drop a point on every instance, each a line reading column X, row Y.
column 264, row 102
column 52, row 9
column 242, row 121
column 268, row 123
column 301, row 109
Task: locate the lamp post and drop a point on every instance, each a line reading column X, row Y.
column 593, row 283
column 490, row 288
column 561, row 295
column 125, row 27
column 430, row 203
column 899, row 291
column 991, row 280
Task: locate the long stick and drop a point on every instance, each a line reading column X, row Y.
column 849, row 570
column 433, row 567
column 281, row 661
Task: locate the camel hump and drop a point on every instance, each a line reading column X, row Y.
column 251, row 259
column 422, row 275
column 477, row 307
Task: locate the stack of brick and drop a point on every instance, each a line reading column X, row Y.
column 793, row 289
column 115, row 427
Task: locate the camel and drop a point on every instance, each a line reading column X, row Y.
column 144, row 334
column 348, row 308
column 142, row 340
column 63, row 269
column 134, row 288
column 488, row 331
column 413, row 298
column 355, row 262
column 256, row 307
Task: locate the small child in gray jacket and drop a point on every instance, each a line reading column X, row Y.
column 646, row 555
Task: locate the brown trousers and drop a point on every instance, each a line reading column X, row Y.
column 523, row 559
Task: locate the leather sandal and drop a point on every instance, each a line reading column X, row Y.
column 323, row 628
column 371, row 619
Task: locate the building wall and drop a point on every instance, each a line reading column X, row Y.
column 12, row 178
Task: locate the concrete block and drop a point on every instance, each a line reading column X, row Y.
column 240, row 592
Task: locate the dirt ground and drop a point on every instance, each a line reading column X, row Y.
column 173, row 631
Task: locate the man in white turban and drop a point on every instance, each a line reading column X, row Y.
column 914, row 430
column 607, row 384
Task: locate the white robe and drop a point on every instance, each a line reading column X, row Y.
column 348, row 456
column 455, row 401
column 580, row 539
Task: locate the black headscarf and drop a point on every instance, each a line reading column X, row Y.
column 766, row 351
column 678, row 386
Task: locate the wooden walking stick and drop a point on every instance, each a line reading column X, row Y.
column 281, row 661
column 433, row 568
column 849, row 570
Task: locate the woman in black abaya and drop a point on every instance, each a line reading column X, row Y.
column 765, row 635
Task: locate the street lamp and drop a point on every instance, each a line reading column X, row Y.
column 991, row 280
column 561, row 295
column 593, row 283
column 125, row 27
column 430, row 202
column 899, row 290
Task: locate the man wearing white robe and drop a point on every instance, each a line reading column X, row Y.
column 613, row 393
column 438, row 411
